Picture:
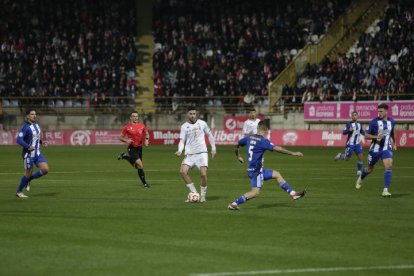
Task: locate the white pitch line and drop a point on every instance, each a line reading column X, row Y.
column 309, row 270
column 176, row 170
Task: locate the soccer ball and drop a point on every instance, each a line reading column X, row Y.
column 193, row 197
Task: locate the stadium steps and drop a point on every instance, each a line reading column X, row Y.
column 144, row 100
column 361, row 25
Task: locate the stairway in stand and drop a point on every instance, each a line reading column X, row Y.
column 145, row 101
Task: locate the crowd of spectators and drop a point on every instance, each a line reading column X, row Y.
column 378, row 67
column 67, row 53
column 225, row 52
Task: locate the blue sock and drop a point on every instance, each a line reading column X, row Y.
column 364, row 173
column 23, row 183
column 37, row 174
column 359, row 165
column 241, row 200
column 387, row 178
column 285, row 186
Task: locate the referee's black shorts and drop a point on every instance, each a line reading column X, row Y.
column 135, row 153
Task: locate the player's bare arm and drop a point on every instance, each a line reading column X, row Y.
column 237, row 152
column 147, row 139
column 370, row 136
column 125, row 140
column 285, row 151
column 180, row 148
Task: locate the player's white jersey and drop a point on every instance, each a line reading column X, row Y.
column 192, row 136
column 250, row 125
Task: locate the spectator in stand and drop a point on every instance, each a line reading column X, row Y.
column 240, row 49
column 71, row 49
column 377, row 68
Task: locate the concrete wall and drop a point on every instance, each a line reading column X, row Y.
column 162, row 121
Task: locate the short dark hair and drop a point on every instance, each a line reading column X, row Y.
column 251, row 109
column 383, row 105
column 354, row 112
column 262, row 125
column 30, row 110
column 191, row 107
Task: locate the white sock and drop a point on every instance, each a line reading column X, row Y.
column 385, row 189
column 292, row 193
column 191, row 187
column 203, row 191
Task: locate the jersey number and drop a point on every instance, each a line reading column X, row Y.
column 251, row 153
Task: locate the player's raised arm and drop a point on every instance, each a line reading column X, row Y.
column 285, row 151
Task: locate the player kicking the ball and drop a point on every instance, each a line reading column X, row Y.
column 256, row 146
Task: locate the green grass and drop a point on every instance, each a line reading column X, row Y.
column 91, row 216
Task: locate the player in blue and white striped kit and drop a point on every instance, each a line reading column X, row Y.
column 29, row 137
column 381, row 131
column 353, row 144
column 256, row 145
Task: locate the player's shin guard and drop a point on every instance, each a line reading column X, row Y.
column 141, row 175
column 359, row 165
column 364, row 173
column 387, row 178
column 241, row 200
column 23, row 183
column 285, row 186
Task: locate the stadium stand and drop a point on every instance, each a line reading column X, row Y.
column 63, row 54
column 226, row 52
column 378, row 67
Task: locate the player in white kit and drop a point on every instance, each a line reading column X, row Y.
column 196, row 153
column 250, row 125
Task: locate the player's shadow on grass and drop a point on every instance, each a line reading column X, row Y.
column 46, row 194
column 399, row 195
column 274, row 205
column 213, row 198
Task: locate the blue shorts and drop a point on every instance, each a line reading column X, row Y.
column 353, row 148
column 29, row 161
column 373, row 157
column 257, row 178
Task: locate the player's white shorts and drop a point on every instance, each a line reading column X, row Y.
column 198, row 160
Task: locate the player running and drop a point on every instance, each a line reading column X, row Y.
column 353, row 144
column 30, row 138
column 381, row 131
column 135, row 134
column 256, row 145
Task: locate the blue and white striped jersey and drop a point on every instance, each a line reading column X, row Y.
column 354, row 137
column 29, row 135
column 386, row 127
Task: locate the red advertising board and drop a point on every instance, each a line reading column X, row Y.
column 222, row 137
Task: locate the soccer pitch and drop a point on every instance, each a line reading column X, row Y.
column 91, row 216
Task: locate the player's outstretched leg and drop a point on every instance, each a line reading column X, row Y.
column 123, row 156
column 295, row 195
column 339, row 156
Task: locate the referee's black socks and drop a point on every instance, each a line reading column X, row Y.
column 141, row 175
